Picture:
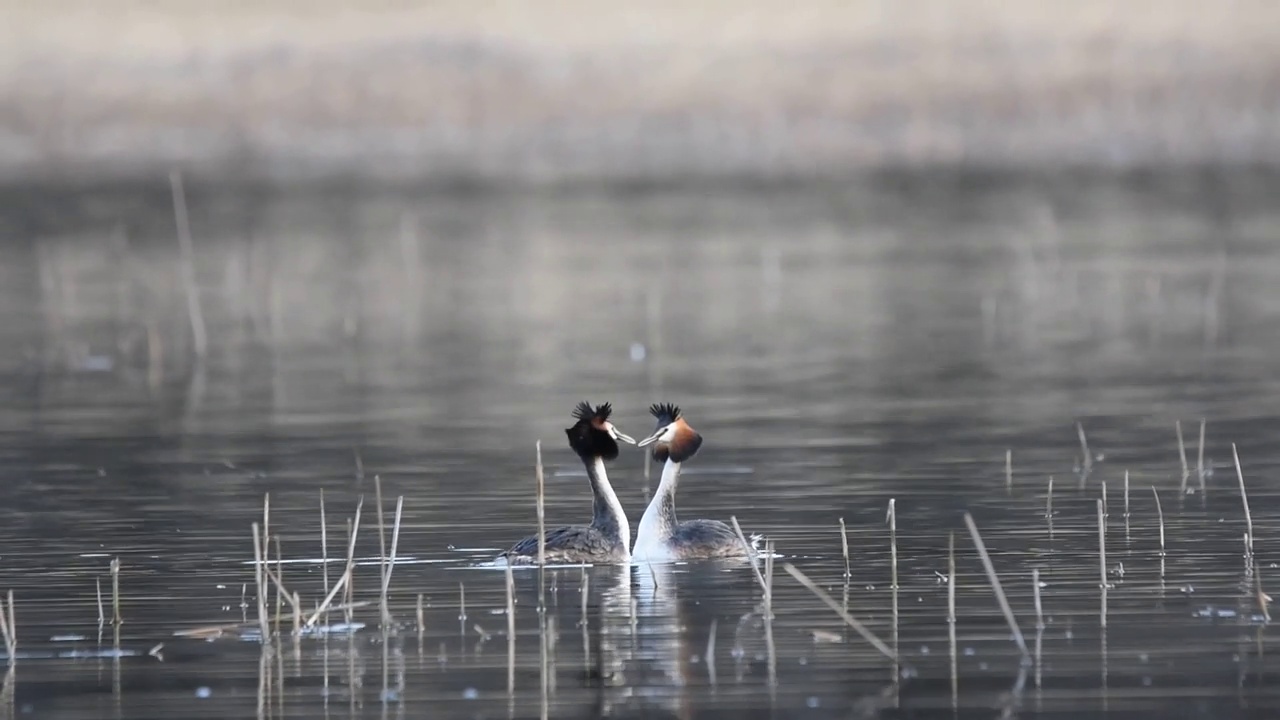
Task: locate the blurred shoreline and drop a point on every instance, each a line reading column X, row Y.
column 572, row 92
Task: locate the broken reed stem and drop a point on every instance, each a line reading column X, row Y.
column 1008, row 470
column 8, row 629
column 1244, row 497
column 391, row 563
column 711, row 651
column 1102, row 564
column 996, row 587
column 1084, row 448
column 844, row 546
column 347, row 576
column 1035, row 586
column 462, row 609
column 1048, row 501
column 1182, row 455
column 750, row 555
column 259, row 583
column 542, row 540
column 422, row 618
column 186, row 251
column 1160, row 514
column 324, row 544
column 382, row 532
column 279, row 587
column 1102, row 544
column 951, row 581
column 892, row 518
column 102, row 614
column 848, row 619
column 1126, row 493
column 1200, row 460
column 294, row 602
column 115, row 592
column 1106, row 509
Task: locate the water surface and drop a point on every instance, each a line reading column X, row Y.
column 838, row 346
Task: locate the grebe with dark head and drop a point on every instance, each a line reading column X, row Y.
column 661, row 537
column 608, row 538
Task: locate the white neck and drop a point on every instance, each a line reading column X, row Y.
column 606, row 493
column 659, row 518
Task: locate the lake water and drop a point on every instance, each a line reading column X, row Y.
column 839, row 346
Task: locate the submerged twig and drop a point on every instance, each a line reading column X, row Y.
column 996, row 587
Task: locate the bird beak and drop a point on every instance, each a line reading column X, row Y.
column 618, row 435
column 651, row 439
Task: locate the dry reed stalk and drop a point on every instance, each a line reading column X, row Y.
column 102, row 614
column 1048, row 501
column 295, row 604
column 324, row 605
column 1126, row 495
column 1200, row 457
column 951, row 613
column 115, row 592
column 9, row 629
column 186, row 251
column 296, row 601
column 511, row 630
column 1008, row 470
column 324, row 544
column 422, row 618
column 891, row 516
column 1035, row 586
column 260, row 583
column 848, row 619
column 586, row 595
column 542, row 522
column 1102, row 563
column 349, row 592
column 359, row 464
column 382, row 532
column 390, row 565
column 996, row 587
column 1106, row 509
column 1160, row 514
column 348, row 573
column 279, row 586
column 772, row 655
column 1087, row 465
column 711, row 652
column 751, row 555
column 1244, row 497
column 1182, row 455
column 462, row 609
column 844, row 547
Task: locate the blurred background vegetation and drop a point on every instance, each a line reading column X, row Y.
column 572, row 90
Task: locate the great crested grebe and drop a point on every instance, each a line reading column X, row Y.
column 661, row 537
column 608, row 538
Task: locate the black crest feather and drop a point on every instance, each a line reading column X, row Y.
column 587, row 438
column 584, row 412
column 665, row 412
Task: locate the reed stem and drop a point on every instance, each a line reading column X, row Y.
column 1244, row 497
column 996, row 587
column 848, row 619
column 186, row 251
column 115, row 592
column 1160, row 514
column 844, row 547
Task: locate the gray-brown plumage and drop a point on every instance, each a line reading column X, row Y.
column 607, row 539
column 661, row 536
